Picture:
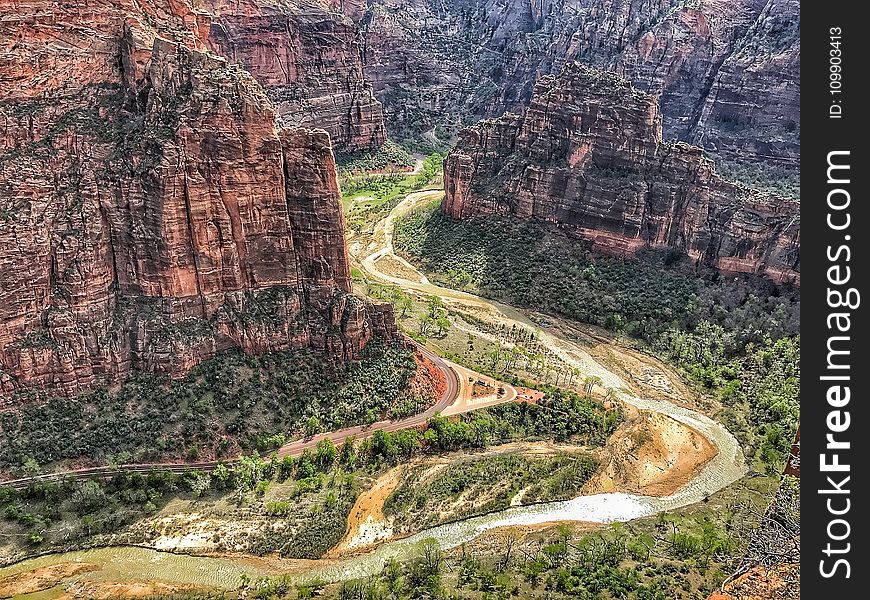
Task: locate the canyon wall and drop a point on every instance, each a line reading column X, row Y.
column 727, row 71
column 307, row 56
column 151, row 212
column 588, row 155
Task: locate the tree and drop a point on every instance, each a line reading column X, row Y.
column 590, row 383
column 573, row 372
column 442, row 323
column 494, row 357
column 513, row 356
column 425, row 571
column 326, row 454
column 434, row 303
column 436, row 316
column 199, row 483
column 511, row 539
column 90, row 524
column 249, row 471
column 30, row 467
column 286, row 466
column 88, row 498
column 347, row 455
column 221, row 474
column 404, row 304
column 312, row 426
column 305, row 465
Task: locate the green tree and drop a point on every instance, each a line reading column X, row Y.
column 348, row 455
column 30, row 467
column 305, row 467
column 221, row 474
column 312, row 426
column 325, row 455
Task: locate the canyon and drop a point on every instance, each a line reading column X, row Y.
column 174, row 179
column 588, row 156
column 727, row 72
column 164, row 196
column 153, row 212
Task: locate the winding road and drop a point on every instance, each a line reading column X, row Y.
column 451, row 400
column 724, row 469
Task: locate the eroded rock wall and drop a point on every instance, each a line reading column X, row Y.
column 151, row 212
column 727, row 71
column 588, row 155
column 307, row 55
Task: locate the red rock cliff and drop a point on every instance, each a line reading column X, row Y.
column 308, row 59
column 588, row 154
column 151, row 213
column 727, row 71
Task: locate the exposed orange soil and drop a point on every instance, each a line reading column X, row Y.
column 368, row 509
column 429, row 380
column 103, row 590
column 529, row 395
column 760, row 583
column 652, row 455
column 40, row 579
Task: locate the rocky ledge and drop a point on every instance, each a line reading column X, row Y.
column 588, row 155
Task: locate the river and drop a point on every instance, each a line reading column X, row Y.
column 130, row 564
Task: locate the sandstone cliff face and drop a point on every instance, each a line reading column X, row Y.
column 151, row 214
column 727, row 71
column 588, row 155
column 307, row 56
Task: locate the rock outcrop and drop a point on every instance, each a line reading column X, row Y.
column 588, row 155
column 727, row 71
column 308, row 58
column 151, row 213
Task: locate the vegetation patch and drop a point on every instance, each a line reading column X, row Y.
column 389, row 157
column 295, row 507
column 484, row 484
column 369, row 198
column 769, row 178
column 229, row 402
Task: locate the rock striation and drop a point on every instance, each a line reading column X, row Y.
column 588, row 155
column 727, row 71
column 151, row 212
column 308, row 58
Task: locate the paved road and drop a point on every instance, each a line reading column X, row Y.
column 450, row 395
column 453, row 395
